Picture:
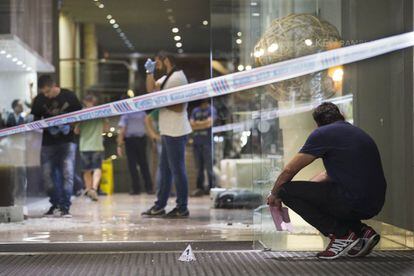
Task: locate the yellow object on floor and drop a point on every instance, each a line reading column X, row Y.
column 107, row 180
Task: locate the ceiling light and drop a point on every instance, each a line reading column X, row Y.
column 239, row 41
column 175, row 30
column 115, row 26
column 101, row 6
column 308, row 42
column 109, row 16
column 14, row 59
column 205, row 22
column 8, row 56
column 253, row 4
column 273, row 48
column 19, row 63
column 95, row 0
column 2, row 52
column 338, row 74
column 248, row 67
column 240, row 67
column 110, row 135
column 179, row 44
column 24, row 66
column 113, row 157
column 177, row 38
column 169, row 10
column 112, row 21
column 239, row 34
column 119, row 30
column 180, row 51
column 255, row 14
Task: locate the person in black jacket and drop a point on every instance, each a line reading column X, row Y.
column 58, row 144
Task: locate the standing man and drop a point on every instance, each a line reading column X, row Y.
column 16, row 117
column 201, row 122
column 132, row 135
column 352, row 188
column 58, row 147
column 174, row 129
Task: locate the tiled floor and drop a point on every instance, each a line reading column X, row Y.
column 117, row 218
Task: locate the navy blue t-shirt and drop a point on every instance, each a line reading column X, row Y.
column 351, row 160
column 202, row 136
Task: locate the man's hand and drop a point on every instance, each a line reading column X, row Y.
column 274, row 201
column 120, row 151
column 150, row 66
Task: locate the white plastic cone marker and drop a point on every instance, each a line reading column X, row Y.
column 187, row 255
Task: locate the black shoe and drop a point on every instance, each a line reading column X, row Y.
column 65, row 213
column 176, row 213
column 154, row 211
column 51, row 212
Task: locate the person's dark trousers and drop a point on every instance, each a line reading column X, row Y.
column 172, row 166
column 136, row 152
column 58, row 167
column 204, row 161
column 323, row 205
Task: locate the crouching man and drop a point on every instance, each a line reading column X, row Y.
column 350, row 190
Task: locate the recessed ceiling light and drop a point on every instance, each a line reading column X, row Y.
column 24, row 65
column 253, row 4
column 14, row 59
column 273, row 48
column 29, row 68
column 178, row 44
column 175, row 30
column 169, row 10
column 8, row 56
column 240, row 67
column 239, row 34
column 248, row 67
column 109, row 16
column 205, row 22
column 112, row 21
column 170, row 17
column 308, row 42
column 95, row 0
column 256, row 14
column 115, row 26
column 180, row 51
column 239, row 41
column 2, row 52
column 119, row 30
column 19, row 63
column 101, row 6
column 177, row 38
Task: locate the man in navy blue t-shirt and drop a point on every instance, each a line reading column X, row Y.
column 201, row 121
column 352, row 188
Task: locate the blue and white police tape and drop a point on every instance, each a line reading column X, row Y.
column 230, row 83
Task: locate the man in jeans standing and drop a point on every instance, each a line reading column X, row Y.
column 352, row 188
column 58, row 147
column 174, row 129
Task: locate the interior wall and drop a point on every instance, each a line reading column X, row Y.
column 383, row 103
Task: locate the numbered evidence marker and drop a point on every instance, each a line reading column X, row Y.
column 187, row 255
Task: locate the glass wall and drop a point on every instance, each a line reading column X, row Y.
column 259, row 130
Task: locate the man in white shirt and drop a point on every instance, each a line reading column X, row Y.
column 174, row 129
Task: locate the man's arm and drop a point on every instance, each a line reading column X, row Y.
column 196, row 125
column 151, row 84
column 120, row 141
column 150, row 128
column 298, row 162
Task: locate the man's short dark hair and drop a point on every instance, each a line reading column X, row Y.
column 327, row 113
column 15, row 103
column 164, row 54
column 45, row 80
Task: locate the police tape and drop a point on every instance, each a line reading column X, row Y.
column 265, row 115
column 229, row 83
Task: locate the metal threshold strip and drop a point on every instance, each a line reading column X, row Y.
column 206, row 263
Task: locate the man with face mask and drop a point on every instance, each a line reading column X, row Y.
column 58, row 147
column 174, row 128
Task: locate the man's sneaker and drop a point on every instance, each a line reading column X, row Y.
column 92, row 194
column 154, row 211
column 176, row 213
column 53, row 210
column 65, row 213
column 368, row 240
column 339, row 246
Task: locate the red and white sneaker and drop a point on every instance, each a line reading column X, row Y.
column 368, row 240
column 339, row 246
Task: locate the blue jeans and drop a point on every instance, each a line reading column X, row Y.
column 204, row 160
column 172, row 166
column 58, row 167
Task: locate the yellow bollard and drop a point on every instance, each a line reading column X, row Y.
column 107, row 180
